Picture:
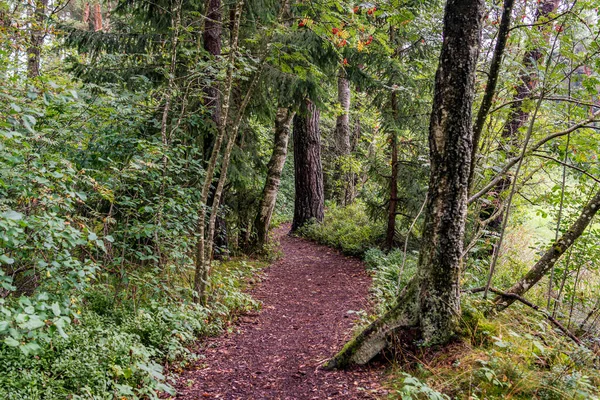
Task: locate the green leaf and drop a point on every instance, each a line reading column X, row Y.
column 127, row 372
column 55, row 309
column 6, row 260
column 30, row 348
column 539, row 346
column 12, row 215
column 11, row 342
column 34, row 323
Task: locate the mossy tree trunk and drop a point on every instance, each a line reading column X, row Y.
column 283, row 120
column 431, row 301
column 308, row 172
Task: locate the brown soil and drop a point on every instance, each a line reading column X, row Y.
column 309, row 299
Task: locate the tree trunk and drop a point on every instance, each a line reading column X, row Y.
column 342, row 138
column 490, row 87
column 201, row 267
column 212, row 44
column 552, row 254
column 393, row 204
column 308, row 172
column 37, row 39
column 451, row 148
column 517, row 115
column 275, row 167
column 97, row 17
column 86, row 13
column 431, row 301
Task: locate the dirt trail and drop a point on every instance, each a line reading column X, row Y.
column 309, row 298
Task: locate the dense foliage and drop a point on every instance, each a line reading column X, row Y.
column 130, row 191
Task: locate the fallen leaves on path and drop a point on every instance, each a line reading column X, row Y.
column 305, row 319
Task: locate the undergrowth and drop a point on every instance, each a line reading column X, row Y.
column 517, row 355
column 346, row 228
column 389, row 275
column 117, row 343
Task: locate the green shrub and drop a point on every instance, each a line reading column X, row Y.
column 346, row 228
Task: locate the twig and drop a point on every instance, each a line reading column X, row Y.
column 546, row 314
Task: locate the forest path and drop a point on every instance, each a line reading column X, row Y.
column 307, row 301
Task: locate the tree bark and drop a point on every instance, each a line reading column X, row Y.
column 37, row 39
column 212, row 44
column 97, row 17
column 393, row 203
column 283, row 121
column 431, row 301
column 86, row 13
column 551, row 256
column 451, row 148
column 308, row 172
column 342, row 138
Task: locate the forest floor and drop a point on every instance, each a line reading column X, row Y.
column 309, row 301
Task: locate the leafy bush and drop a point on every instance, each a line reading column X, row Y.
column 346, row 228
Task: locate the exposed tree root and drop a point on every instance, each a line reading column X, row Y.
column 375, row 338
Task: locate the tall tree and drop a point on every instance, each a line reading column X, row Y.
column 518, row 114
column 308, row 171
column 431, row 301
column 283, row 120
column 202, row 260
column 342, row 138
column 212, row 44
column 493, row 74
column 393, row 203
column 37, row 38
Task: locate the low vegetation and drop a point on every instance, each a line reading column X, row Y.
column 116, row 343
